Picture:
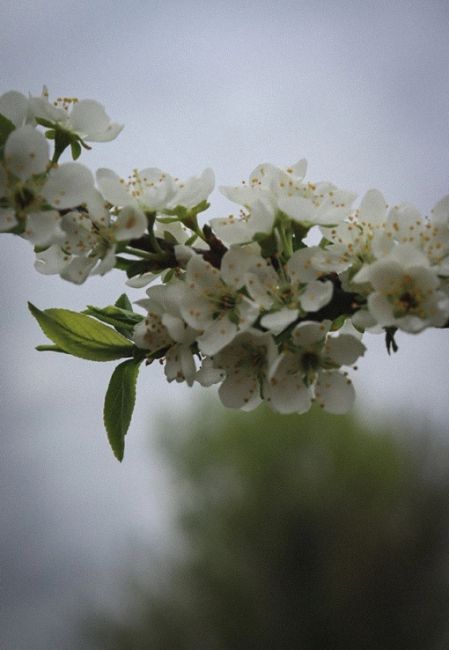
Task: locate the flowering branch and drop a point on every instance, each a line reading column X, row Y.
column 244, row 301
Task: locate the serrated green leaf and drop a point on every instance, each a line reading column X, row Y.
column 119, row 404
column 81, row 335
column 124, row 302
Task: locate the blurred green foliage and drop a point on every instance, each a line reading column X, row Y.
column 306, row 532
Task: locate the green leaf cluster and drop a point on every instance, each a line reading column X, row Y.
column 89, row 336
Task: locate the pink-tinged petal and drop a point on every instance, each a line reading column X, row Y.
column 316, row 295
column 7, row 219
column 344, row 349
column 68, row 186
column 334, row 392
column 373, row 208
column 26, row 152
column 131, row 224
column 218, row 334
column 89, row 119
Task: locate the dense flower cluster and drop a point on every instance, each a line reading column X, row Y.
column 245, row 301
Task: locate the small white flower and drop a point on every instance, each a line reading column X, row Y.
column 406, row 292
column 87, row 118
column 245, row 361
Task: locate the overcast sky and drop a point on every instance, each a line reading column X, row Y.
column 360, row 89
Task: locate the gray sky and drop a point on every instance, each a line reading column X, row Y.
column 360, row 89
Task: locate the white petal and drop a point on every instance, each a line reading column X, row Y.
column 334, row 392
column 113, row 189
column 236, row 262
column 68, row 186
column 297, row 208
column 279, row 320
column 90, row 120
column 26, row 152
column 218, row 334
column 440, row 212
column 194, row 190
column 139, row 281
column 300, row 266
column 78, row 270
column 43, row 228
column 287, row 393
column 232, row 230
column 131, row 224
column 15, row 107
column 106, row 264
column 51, row 261
column 373, row 208
column 240, row 391
column 310, row 332
column 344, row 349
column 316, row 295
column 381, row 309
column 207, row 375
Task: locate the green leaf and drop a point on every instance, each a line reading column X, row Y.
column 124, row 302
column 6, row 127
column 49, row 348
column 82, row 336
column 123, row 320
column 76, row 149
column 119, row 404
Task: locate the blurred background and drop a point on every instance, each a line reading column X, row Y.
column 361, row 91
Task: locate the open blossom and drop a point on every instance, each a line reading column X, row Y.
column 310, row 367
column 154, row 190
column 245, row 363
column 407, row 293
column 86, row 118
column 218, row 310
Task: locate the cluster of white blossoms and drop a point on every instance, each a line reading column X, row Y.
column 242, row 301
